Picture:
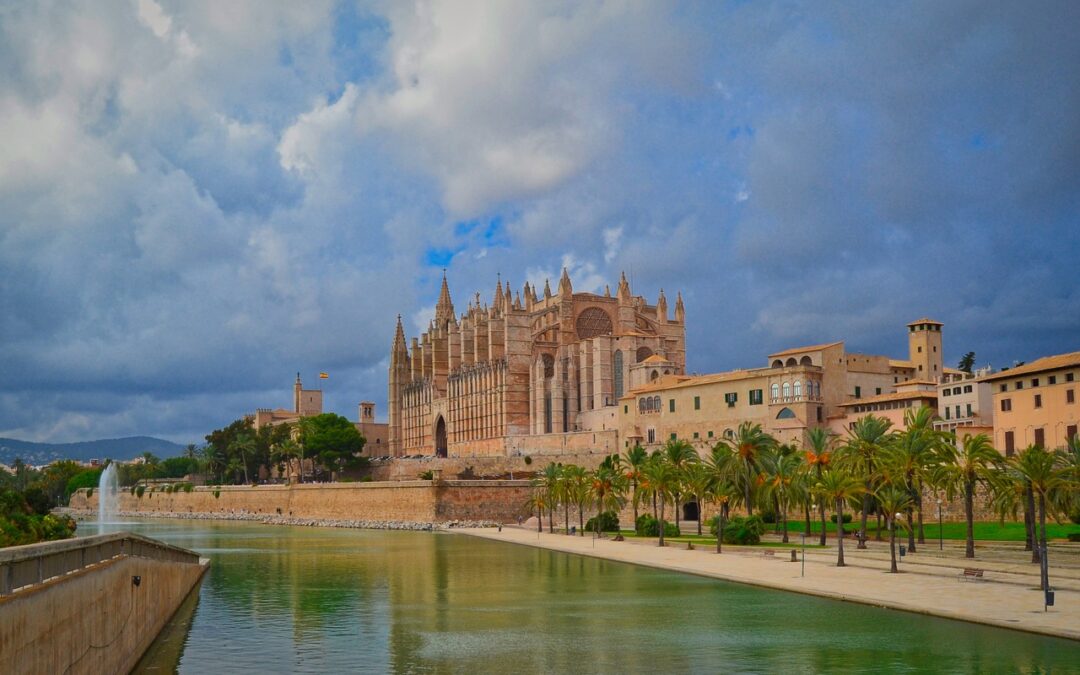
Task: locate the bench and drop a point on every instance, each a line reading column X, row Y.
column 971, row 574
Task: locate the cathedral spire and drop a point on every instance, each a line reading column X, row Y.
column 547, row 289
column 444, row 310
column 607, row 291
column 399, row 340
column 661, row 308
column 497, row 303
column 565, row 289
column 680, row 311
column 623, row 292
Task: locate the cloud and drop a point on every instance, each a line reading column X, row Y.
column 199, row 199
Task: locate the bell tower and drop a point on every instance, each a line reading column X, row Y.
column 924, row 349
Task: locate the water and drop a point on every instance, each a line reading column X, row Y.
column 108, row 487
column 311, row 600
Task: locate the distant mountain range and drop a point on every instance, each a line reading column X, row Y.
column 120, row 449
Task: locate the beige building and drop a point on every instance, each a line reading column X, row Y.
column 966, row 404
column 1035, row 404
column 375, row 433
column 816, row 386
column 306, row 403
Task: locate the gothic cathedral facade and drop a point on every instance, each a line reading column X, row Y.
column 529, row 365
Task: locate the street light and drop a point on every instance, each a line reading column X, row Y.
column 802, row 573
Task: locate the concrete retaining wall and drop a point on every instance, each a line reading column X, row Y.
column 94, row 620
column 405, row 501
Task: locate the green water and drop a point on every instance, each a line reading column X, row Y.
column 310, row 600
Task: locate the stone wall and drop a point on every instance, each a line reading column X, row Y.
column 403, row 501
column 94, row 620
column 546, row 445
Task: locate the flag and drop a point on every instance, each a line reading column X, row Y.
column 323, row 376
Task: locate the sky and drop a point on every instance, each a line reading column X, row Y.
column 200, row 199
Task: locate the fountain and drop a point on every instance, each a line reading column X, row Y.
column 108, row 487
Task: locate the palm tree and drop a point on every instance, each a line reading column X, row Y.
column 819, row 455
column 1048, row 476
column 538, row 500
column 634, row 459
column 607, row 488
column 679, row 454
column 780, row 470
column 243, row 444
column 550, row 479
column 697, row 481
column 893, row 500
column 747, row 445
column 577, row 486
column 663, row 481
column 861, row 454
column 975, row 462
column 838, row 486
column 724, row 494
column 909, row 455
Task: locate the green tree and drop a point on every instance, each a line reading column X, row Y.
column 747, row 446
column 54, row 479
column 679, row 454
column 861, row 454
column 892, row 500
column 634, row 459
column 607, row 488
column 820, row 444
column 697, row 481
column 663, row 481
column 967, row 363
column 911, row 455
column 975, row 462
column 724, row 493
column 334, row 440
column 836, row 486
column 780, row 471
column 1048, row 476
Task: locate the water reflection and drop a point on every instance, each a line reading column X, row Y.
column 281, row 599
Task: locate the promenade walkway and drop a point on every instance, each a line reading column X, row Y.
column 1009, row 596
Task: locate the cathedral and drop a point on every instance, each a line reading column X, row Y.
column 526, row 367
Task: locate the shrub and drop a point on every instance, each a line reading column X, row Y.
column 217, row 493
column 188, row 487
column 746, row 530
column 768, row 517
column 1074, row 536
column 647, row 526
column 89, row 492
column 847, row 518
column 140, row 491
column 1075, row 516
column 366, row 479
column 427, row 475
column 167, row 489
column 609, row 522
column 133, row 488
column 528, row 460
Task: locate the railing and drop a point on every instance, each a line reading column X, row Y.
column 22, row 566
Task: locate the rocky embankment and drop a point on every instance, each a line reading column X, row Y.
column 289, row 520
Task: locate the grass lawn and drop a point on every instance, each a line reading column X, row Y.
column 708, row 540
column 991, row 531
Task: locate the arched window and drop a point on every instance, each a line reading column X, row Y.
column 791, row 363
column 817, row 390
column 642, row 405
column 798, row 389
column 775, row 391
column 805, row 361
column 728, row 433
column 777, row 364
column 655, row 375
column 618, row 374
column 785, row 414
column 787, row 390
column 656, row 403
column 643, row 353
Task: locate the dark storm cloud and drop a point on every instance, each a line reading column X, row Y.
column 197, row 200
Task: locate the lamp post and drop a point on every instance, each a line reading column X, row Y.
column 802, row 573
column 940, row 534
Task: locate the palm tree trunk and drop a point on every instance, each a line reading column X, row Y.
column 539, row 519
column 581, row 520
column 720, row 527
column 969, row 514
column 877, row 531
column 678, row 504
column 635, row 503
column 806, row 509
column 911, row 529
column 865, row 510
column 821, row 503
column 749, row 480
column 566, row 509
column 918, row 505
column 700, row 511
column 551, row 520
column 1043, row 580
column 1029, row 517
column 783, row 517
column 892, row 544
column 661, row 522
column 840, row 533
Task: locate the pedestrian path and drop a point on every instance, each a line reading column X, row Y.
column 1007, row 602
